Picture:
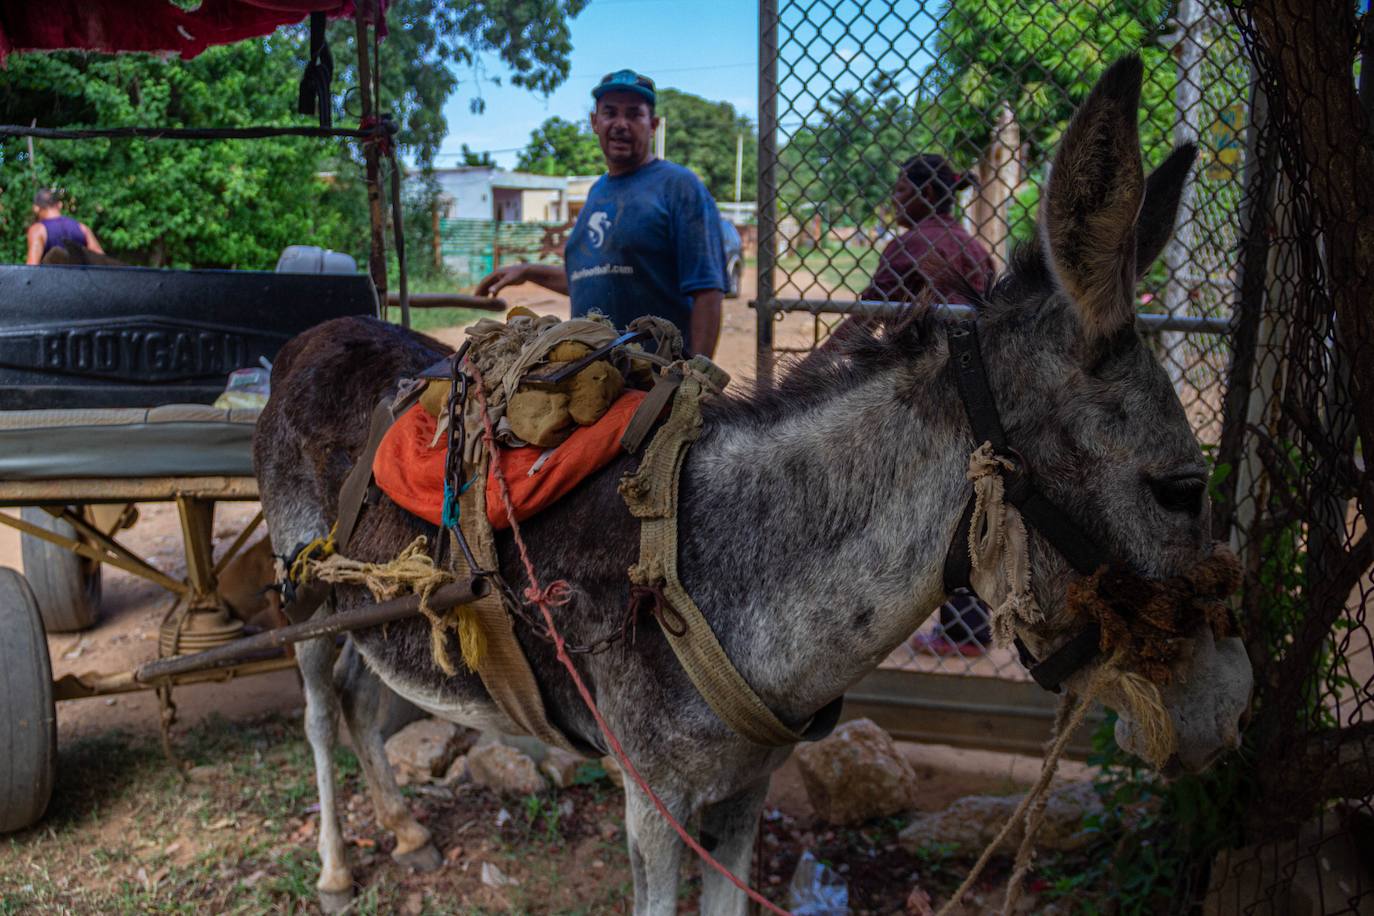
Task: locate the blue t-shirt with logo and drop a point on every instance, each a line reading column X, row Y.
column 643, row 243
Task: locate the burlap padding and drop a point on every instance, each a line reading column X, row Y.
column 504, row 671
column 651, row 494
column 1150, row 621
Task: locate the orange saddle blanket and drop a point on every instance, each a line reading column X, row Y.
column 409, row 471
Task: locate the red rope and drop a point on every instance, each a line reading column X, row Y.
column 557, row 594
column 372, row 124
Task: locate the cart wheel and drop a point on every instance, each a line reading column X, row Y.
column 66, row 584
column 28, row 720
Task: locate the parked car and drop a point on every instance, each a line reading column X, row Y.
column 734, row 257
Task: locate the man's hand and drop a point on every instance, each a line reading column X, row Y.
column 550, row 276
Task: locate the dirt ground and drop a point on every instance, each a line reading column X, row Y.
column 129, row 833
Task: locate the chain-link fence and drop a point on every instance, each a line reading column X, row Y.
column 1299, row 417
column 903, row 148
column 1260, row 309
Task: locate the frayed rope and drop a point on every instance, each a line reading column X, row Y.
column 413, row 572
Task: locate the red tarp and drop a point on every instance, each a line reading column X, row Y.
column 411, row 472
column 154, row 25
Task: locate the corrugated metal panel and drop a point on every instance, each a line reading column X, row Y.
column 471, row 248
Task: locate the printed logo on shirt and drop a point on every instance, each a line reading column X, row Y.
column 602, row 270
column 598, row 225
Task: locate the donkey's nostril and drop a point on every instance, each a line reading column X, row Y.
column 1184, row 493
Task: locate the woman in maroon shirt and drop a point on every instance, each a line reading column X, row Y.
column 935, row 256
column 934, row 252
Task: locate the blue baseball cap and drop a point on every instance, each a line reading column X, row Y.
column 626, row 81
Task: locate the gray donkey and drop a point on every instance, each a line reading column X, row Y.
column 814, row 521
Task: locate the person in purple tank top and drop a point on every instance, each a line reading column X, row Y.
column 53, row 230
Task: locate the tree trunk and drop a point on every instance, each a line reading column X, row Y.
column 1000, row 175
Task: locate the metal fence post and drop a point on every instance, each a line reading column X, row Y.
column 767, row 189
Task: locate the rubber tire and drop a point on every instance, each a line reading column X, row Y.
column 66, row 584
column 28, row 718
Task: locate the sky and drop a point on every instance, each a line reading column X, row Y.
column 706, row 47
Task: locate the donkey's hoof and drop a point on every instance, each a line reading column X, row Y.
column 333, row 902
column 423, row 859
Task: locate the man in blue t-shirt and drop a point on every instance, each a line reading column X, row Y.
column 648, row 240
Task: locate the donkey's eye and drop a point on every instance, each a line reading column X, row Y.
column 1183, row 493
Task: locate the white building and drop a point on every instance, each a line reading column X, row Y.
column 489, row 192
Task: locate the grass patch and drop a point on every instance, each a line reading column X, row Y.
column 841, row 270
column 430, row 319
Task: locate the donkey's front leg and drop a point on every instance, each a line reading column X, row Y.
column 732, row 825
column 315, row 657
column 655, row 850
column 364, row 699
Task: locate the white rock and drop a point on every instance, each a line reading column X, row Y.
column 613, row 771
column 560, row 766
column 973, row 821
column 423, row 750
column 856, row 774
column 494, row 877
column 504, row 769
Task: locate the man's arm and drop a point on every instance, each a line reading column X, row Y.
column 38, row 237
column 92, row 242
column 550, row 276
column 705, row 322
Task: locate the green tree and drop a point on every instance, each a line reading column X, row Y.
column 472, row 158
column 237, row 203
column 204, row 204
column 560, row 147
column 703, row 135
column 432, row 44
column 1039, row 59
column 1042, row 60
column 844, row 160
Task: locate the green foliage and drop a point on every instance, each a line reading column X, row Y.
column 430, row 42
column 588, row 773
column 162, row 202
column 1040, row 60
column 845, row 160
column 236, row 204
column 703, row 136
column 560, row 147
column 471, row 158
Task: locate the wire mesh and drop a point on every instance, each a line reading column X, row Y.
column 1276, row 234
column 857, row 89
column 1300, row 494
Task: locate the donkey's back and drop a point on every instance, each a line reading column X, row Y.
column 325, row 383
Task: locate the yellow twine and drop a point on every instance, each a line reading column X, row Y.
column 1156, row 726
column 301, row 566
column 412, row 571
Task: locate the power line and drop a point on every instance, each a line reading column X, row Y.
column 746, row 63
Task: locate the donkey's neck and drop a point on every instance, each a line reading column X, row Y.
column 815, row 544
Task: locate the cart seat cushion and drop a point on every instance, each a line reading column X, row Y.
column 175, row 440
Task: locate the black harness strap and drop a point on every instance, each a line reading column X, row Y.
column 319, row 71
column 1081, row 552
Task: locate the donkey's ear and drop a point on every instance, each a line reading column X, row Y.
column 1089, row 211
column 1158, row 213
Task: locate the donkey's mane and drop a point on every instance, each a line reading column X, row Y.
column 814, row 380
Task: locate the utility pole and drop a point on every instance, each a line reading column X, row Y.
column 739, row 165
